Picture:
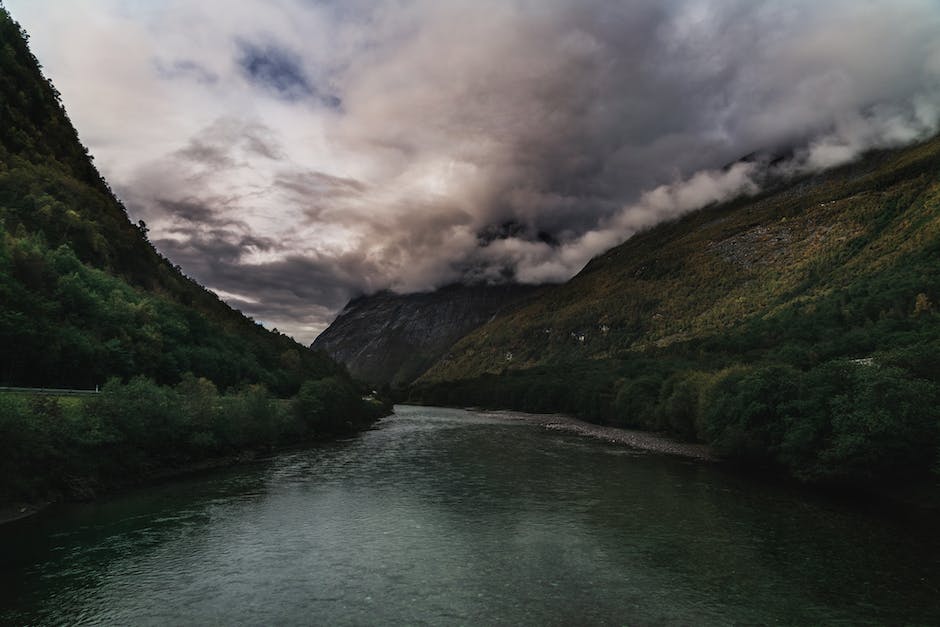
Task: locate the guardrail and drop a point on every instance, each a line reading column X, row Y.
column 50, row 391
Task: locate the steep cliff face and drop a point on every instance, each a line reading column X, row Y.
column 388, row 338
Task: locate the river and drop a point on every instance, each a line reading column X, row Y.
column 442, row 516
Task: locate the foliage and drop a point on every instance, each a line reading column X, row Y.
column 86, row 300
column 131, row 431
column 69, row 325
column 330, row 405
column 83, row 295
column 841, row 422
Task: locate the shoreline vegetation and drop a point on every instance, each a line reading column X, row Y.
column 920, row 496
column 67, row 448
column 638, row 440
column 843, row 424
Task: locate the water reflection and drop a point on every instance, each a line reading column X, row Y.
column 446, row 516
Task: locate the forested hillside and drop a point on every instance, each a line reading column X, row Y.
column 86, row 301
column 83, row 294
column 798, row 328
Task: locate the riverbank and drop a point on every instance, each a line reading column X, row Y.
column 89, row 489
column 640, row 440
column 86, row 489
column 924, row 496
column 74, row 449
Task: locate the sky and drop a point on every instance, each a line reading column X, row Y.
column 292, row 154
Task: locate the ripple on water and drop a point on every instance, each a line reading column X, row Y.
column 445, row 516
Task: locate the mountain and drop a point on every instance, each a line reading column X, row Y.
column 387, row 338
column 844, row 249
column 86, row 301
column 83, row 294
column 797, row 328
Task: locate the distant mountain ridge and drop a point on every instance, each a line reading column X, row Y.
column 388, row 338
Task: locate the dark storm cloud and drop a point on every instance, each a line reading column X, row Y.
column 318, row 194
column 188, row 189
column 481, row 139
column 305, row 291
column 573, row 114
column 313, row 184
column 203, row 251
column 185, row 68
column 299, row 279
column 222, row 143
column 274, row 69
column 190, row 210
column 280, row 72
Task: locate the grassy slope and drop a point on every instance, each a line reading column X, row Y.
column 788, row 253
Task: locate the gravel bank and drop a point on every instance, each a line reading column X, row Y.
column 641, row 440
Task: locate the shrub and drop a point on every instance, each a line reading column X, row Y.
column 636, row 402
column 882, row 425
column 330, row 405
column 747, row 409
column 681, row 404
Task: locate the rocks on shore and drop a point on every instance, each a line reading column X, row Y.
column 640, row 440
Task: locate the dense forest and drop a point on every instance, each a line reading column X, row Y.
column 86, row 301
column 797, row 329
column 83, row 294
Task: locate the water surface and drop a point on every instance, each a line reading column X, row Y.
column 442, row 516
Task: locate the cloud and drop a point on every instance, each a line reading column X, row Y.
column 292, row 154
column 882, row 126
column 184, row 68
column 540, row 261
column 274, row 69
column 295, row 292
column 280, row 72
